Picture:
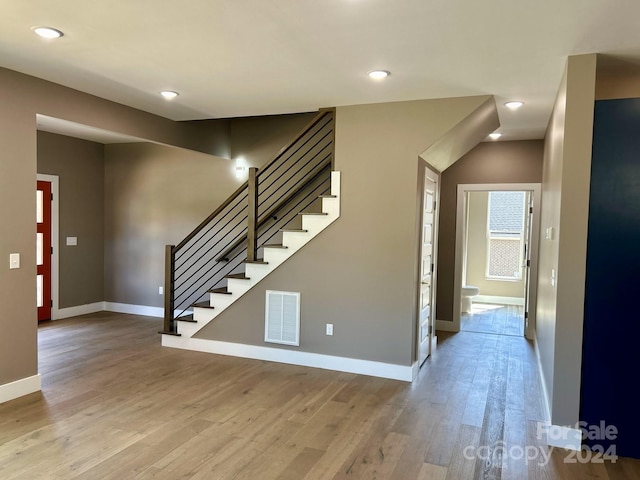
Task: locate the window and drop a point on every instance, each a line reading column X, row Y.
column 505, row 235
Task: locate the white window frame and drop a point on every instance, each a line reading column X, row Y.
column 491, row 235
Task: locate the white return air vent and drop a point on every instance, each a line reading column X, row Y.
column 282, row 318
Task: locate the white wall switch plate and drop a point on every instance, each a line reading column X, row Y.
column 160, row 290
column 14, row 260
column 329, row 328
column 72, row 241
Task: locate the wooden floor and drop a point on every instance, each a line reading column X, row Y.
column 116, row 405
column 498, row 319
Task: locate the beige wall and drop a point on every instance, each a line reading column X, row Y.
column 154, row 196
column 489, row 162
column 22, row 98
column 258, row 139
column 360, row 274
column 476, row 265
column 565, row 202
column 79, row 165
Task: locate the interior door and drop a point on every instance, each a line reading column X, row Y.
column 526, row 261
column 426, row 311
column 43, row 250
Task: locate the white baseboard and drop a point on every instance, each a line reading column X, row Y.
column 446, row 326
column 134, row 309
column 305, row 359
column 545, row 393
column 498, row 300
column 19, row 388
column 562, row 437
column 79, row 310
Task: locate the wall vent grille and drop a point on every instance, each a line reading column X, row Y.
column 282, row 318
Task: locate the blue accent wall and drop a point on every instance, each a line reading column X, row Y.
column 610, row 389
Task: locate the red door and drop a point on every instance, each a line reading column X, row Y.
column 43, row 250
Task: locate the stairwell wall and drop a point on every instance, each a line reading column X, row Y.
column 360, row 273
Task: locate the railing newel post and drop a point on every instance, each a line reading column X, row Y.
column 252, row 226
column 169, row 288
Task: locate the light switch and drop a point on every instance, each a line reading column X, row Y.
column 72, row 241
column 14, row 260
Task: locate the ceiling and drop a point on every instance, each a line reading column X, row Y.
column 232, row 58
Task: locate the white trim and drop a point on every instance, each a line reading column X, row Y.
column 415, row 368
column 555, row 435
column 134, row 309
column 55, row 241
column 80, row 310
column 292, row 357
column 446, row 326
column 563, row 437
column 545, row 393
column 498, row 300
column 19, row 388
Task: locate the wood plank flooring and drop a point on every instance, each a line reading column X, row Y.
column 498, row 319
column 116, row 405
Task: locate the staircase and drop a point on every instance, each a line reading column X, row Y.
column 266, row 221
column 274, row 255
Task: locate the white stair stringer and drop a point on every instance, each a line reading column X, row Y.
column 312, row 224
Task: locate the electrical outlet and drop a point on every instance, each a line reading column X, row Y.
column 160, row 290
column 329, row 328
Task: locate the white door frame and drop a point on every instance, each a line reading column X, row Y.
column 55, row 229
column 536, row 188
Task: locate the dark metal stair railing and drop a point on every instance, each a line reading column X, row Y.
column 249, row 218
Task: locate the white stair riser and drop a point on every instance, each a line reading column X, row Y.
column 238, row 287
column 295, row 240
column 275, row 256
column 315, row 223
column 188, row 328
column 335, row 183
column 203, row 314
column 221, row 301
column 331, row 206
column 257, row 271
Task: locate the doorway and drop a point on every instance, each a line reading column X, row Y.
column 497, row 229
column 46, row 247
column 425, row 335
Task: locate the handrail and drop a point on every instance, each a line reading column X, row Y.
column 290, row 180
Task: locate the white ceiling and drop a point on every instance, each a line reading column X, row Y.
column 230, row 58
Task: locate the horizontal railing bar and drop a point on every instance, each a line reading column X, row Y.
column 204, row 223
column 206, row 242
column 266, row 216
column 284, row 183
column 264, row 176
column 210, row 228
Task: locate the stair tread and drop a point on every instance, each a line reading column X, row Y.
column 174, row 334
column 293, row 230
column 187, row 318
column 313, row 213
column 327, row 196
column 202, row 305
column 220, row 290
column 257, row 261
column 238, row 276
column 275, row 245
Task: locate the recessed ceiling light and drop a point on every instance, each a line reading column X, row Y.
column 513, row 105
column 169, row 94
column 495, row 135
column 379, row 74
column 47, row 32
